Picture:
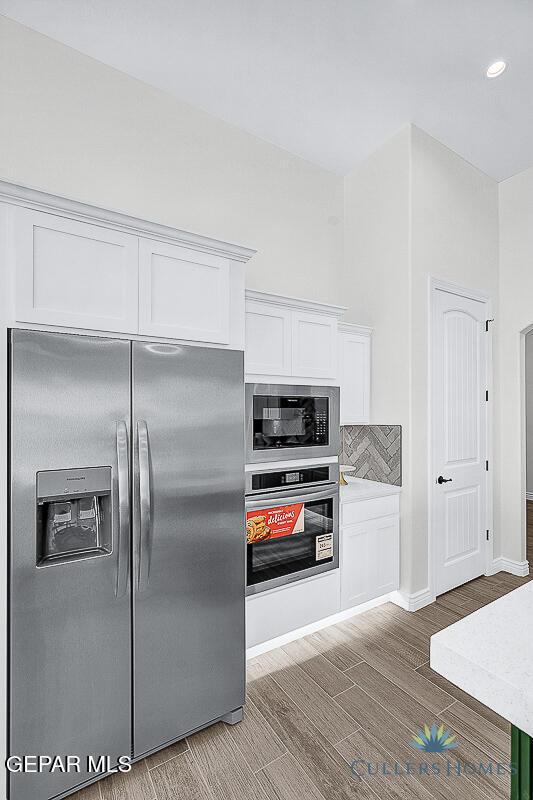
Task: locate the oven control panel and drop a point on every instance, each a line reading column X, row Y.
column 287, row 479
column 293, row 477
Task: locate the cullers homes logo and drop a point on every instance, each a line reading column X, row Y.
column 433, row 740
column 430, row 739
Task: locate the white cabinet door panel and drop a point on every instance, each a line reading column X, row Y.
column 356, row 561
column 386, row 541
column 314, row 345
column 74, row 274
column 275, row 613
column 183, row 293
column 268, row 339
column 369, row 560
column 354, row 371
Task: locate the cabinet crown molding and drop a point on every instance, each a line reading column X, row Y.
column 16, row 194
column 353, row 327
column 296, row 303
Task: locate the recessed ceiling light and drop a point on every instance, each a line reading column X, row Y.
column 496, row 69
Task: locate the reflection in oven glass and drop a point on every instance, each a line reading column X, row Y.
column 293, row 553
column 289, row 422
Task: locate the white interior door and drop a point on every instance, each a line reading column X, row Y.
column 459, row 438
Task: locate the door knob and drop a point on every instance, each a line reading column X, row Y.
column 442, row 480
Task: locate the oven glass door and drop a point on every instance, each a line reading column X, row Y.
column 290, row 421
column 287, row 537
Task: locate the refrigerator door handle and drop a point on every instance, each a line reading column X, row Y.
column 145, row 505
column 123, row 509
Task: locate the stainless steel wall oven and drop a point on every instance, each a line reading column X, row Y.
column 291, row 524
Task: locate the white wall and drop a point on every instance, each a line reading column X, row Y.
column 515, row 318
column 72, row 126
column 376, row 222
column 376, row 282
column 454, row 237
column 75, row 127
column 529, row 412
column 414, row 209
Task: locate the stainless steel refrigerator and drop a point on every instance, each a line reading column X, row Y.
column 126, row 549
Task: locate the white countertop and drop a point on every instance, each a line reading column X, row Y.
column 489, row 655
column 361, row 489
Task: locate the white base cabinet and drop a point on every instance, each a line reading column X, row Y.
column 290, row 607
column 369, row 549
column 370, row 564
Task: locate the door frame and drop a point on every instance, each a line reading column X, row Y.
column 523, row 433
column 437, row 285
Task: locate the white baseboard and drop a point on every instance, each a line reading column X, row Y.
column 502, row 564
column 529, row 495
column 340, row 616
column 412, row 602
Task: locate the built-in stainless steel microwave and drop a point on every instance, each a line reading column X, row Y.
column 286, row 422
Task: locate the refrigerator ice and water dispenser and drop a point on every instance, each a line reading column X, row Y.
column 73, row 514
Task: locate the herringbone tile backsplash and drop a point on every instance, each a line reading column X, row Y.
column 374, row 450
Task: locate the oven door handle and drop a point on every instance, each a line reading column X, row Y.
column 303, row 495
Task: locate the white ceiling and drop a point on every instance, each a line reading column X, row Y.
column 329, row 80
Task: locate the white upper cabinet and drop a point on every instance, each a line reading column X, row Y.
column 268, row 339
column 314, row 345
column 183, row 293
column 73, row 274
column 291, row 340
column 354, row 346
column 79, row 267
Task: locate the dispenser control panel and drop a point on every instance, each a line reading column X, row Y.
column 53, row 483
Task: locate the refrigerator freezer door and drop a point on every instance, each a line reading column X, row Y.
column 70, row 662
column 188, row 405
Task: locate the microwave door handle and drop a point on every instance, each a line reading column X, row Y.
column 145, row 505
column 288, row 500
column 123, row 509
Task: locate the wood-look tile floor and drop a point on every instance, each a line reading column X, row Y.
column 357, row 690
